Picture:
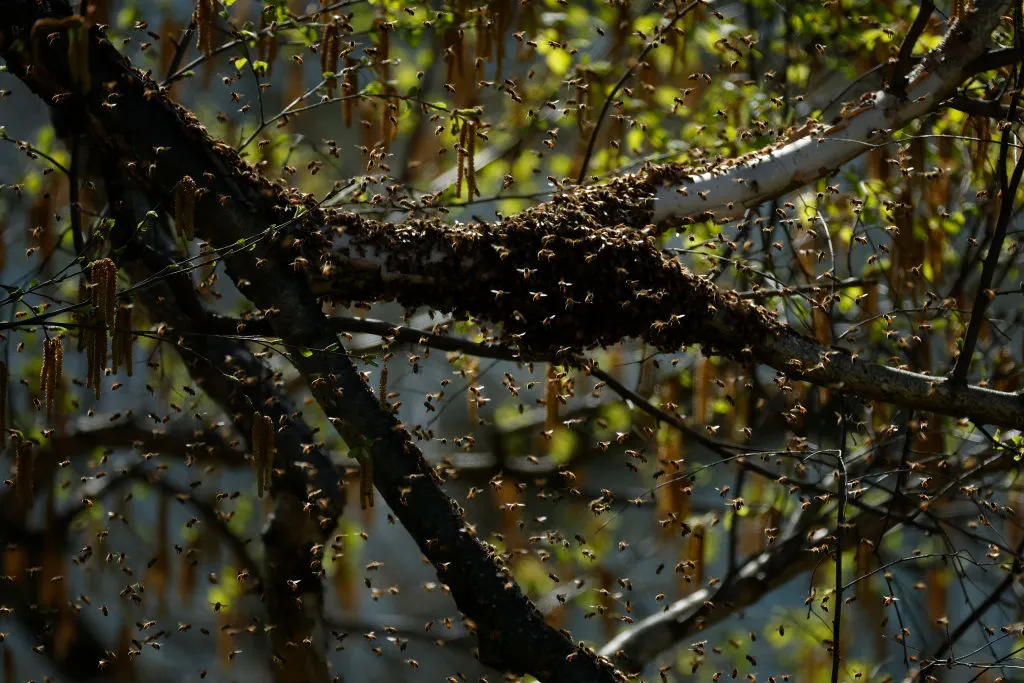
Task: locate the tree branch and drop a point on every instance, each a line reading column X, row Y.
column 817, row 150
column 787, row 559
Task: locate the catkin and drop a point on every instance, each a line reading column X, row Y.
column 206, row 19
column 366, row 482
column 551, row 391
column 330, row 50
column 470, row 159
column 78, row 54
column 258, row 451
column 121, row 340
column 104, row 288
column 461, row 159
column 52, row 371
column 382, row 389
column 96, row 358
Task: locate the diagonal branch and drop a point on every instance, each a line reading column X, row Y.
column 790, row 557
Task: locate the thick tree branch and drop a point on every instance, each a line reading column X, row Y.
column 986, row 108
column 791, row 556
column 529, row 272
column 898, row 79
column 559, row 282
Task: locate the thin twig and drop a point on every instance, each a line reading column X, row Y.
column 843, row 486
column 970, row 619
column 898, row 81
column 976, row 107
column 180, row 48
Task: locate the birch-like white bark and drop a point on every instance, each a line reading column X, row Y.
column 745, row 183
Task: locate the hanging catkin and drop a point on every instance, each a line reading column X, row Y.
column 466, row 166
column 78, row 54
column 206, row 19
column 330, row 49
column 104, row 288
column 552, row 388
column 460, row 160
column 96, row 355
column 471, row 160
column 121, row 340
column 382, row 390
column 52, row 371
column 366, row 481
